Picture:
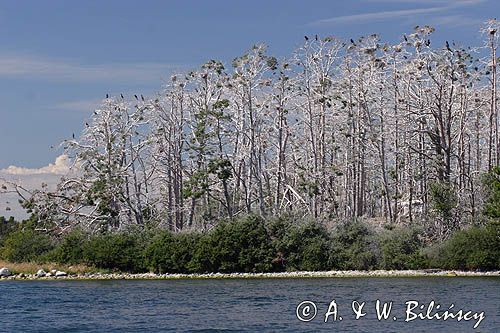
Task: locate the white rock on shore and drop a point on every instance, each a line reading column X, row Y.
column 330, row 274
column 60, row 274
column 5, row 272
column 40, row 273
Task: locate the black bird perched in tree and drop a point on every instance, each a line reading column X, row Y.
column 142, row 97
column 73, row 135
column 448, row 46
column 107, row 96
column 306, row 38
column 121, row 95
column 428, row 42
column 352, row 41
column 316, row 37
column 136, row 97
column 406, row 38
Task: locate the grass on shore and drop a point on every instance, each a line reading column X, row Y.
column 32, row 268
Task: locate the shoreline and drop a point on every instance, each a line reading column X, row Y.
column 281, row 275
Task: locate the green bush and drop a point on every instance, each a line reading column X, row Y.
column 249, row 244
column 477, row 248
column 444, row 202
column 242, row 245
column 401, row 249
column 302, row 246
column 26, row 246
column 355, row 247
column 491, row 187
column 443, row 199
column 158, row 253
column 121, row 251
column 205, row 256
column 7, row 226
column 171, row 253
column 70, row 249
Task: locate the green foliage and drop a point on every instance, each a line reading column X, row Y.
column 355, row 247
column 70, row 249
column 472, row 249
column 215, row 65
column 205, row 256
column 26, row 246
column 100, row 192
column 243, row 245
column 444, row 199
column 401, row 249
column 120, row 251
column 272, row 63
column 171, row 253
column 491, row 185
column 302, row 246
column 249, row 244
column 220, row 105
column 7, row 226
column 220, row 167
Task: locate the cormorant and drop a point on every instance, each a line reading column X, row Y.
column 306, row 38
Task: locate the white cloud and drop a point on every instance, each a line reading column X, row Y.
column 437, row 2
column 443, row 6
column 410, row 1
column 377, row 16
column 454, row 21
column 63, row 70
column 81, row 105
column 29, row 179
column 60, row 167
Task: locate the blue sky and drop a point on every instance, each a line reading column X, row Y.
column 58, row 59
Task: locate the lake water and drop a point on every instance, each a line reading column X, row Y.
column 243, row 305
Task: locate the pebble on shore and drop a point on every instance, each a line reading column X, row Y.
column 54, row 274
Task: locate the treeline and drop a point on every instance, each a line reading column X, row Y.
column 251, row 244
column 340, row 130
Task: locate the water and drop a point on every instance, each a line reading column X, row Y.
column 240, row 305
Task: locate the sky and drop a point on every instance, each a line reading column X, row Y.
column 58, row 59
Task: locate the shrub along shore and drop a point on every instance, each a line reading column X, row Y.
column 253, row 246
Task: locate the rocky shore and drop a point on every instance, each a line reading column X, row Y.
column 5, row 274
